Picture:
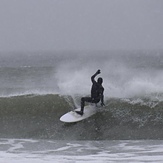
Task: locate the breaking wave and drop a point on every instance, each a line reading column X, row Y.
column 37, row 116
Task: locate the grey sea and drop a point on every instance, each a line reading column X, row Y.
column 37, row 89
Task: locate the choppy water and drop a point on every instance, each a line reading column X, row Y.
column 42, row 151
column 35, row 90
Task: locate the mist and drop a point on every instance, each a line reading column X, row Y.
column 54, row 25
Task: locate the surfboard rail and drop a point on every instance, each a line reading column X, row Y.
column 72, row 116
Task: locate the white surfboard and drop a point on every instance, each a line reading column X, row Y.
column 72, row 116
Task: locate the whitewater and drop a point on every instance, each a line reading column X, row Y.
column 36, row 89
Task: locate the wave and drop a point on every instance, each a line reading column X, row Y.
column 37, row 116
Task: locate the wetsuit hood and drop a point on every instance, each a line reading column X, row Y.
column 100, row 80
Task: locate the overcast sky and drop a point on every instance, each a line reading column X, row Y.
column 40, row 25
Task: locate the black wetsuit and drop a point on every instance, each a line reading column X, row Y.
column 97, row 91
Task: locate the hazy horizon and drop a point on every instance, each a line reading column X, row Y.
column 80, row 25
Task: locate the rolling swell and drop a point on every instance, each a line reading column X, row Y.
column 37, row 116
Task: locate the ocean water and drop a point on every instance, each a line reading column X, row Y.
column 37, row 89
column 42, row 151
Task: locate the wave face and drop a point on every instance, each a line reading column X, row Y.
column 37, row 116
column 36, row 89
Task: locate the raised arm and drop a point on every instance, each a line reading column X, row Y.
column 93, row 77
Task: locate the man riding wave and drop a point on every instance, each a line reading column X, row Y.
column 97, row 93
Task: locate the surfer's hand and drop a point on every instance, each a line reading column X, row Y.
column 98, row 72
column 102, row 104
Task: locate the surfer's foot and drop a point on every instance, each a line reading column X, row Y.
column 79, row 112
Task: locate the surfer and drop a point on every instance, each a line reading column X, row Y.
column 97, row 93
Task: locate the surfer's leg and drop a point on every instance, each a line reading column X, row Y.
column 96, row 101
column 83, row 100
